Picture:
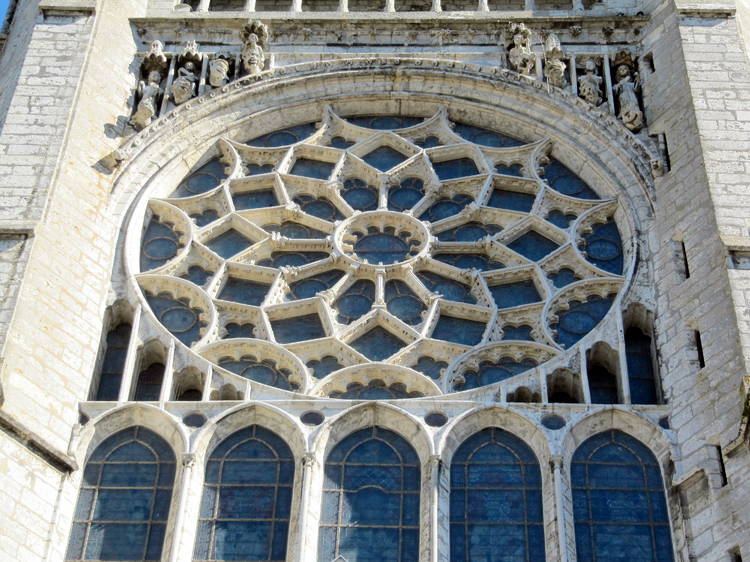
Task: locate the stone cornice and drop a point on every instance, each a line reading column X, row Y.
column 67, row 6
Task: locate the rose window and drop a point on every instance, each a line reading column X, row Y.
column 454, row 257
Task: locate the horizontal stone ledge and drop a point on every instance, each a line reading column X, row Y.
column 36, row 445
column 17, row 227
column 67, row 6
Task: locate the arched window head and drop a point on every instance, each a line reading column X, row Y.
column 124, row 499
column 371, row 499
column 618, row 501
column 247, row 497
column 496, row 500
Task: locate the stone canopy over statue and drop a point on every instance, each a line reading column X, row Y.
column 254, row 37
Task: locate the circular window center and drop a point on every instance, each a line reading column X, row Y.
column 382, row 249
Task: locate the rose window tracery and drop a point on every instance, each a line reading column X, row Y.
column 458, row 254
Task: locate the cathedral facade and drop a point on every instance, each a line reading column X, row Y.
column 375, row 280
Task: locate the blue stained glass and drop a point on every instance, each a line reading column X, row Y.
column 464, row 260
column 359, row 195
column 340, row 142
column 522, row 333
column 448, row 288
column 563, row 277
column 382, row 248
column 253, row 369
column 284, row 137
column 298, row 328
column 560, row 219
column 385, row 122
column 485, row 137
column 604, row 247
column 177, row 316
column 580, row 319
column 201, row 180
column 196, row 274
column 533, row 245
column 110, row 377
column 566, row 182
column 458, row 330
column 384, row 158
column 291, row 258
column 491, row 372
column 428, row 142
column 122, row 516
column 325, row 366
column 229, row 243
column 375, row 390
column 311, row 286
column 160, row 244
column 315, row 169
column 496, row 500
column 619, row 514
column 245, row 513
column 377, row 344
column 446, row 207
column 292, row 229
column 403, row 303
column 370, row 505
column 513, row 200
column 236, row 330
column 469, row 232
column 355, row 302
column 430, row 367
column 256, row 199
column 206, row 217
column 244, row 291
column 408, row 193
column 318, row 207
column 602, row 385
column 640, row 367
column 458, row 168
column 257, row 169
column 513, row 294
column 515, row 170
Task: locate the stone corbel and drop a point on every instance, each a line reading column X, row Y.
column 67, row 7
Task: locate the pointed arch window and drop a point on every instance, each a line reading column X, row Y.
column 496, row 500
column 371, row 499
column 124, row 499
column 247, row 498
column 618, row 501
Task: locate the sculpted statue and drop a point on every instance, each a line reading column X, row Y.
column 520, row 56
column 218, row 71
column 155, row 59
column 148, row 91
column 183, row 88
column 590, row 84
column 626, row 91
column 554, row 67
column 254, row 44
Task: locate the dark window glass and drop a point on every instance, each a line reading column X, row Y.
column 377, row 344
column 430, row 367
column 513, row 294
column 355, row 302
column 279, row 259
column 446, row 207
column 324, row 366
column 201, row 180
column 229, row 243
column 447, row 288
column 603, row 247
column 237, row 330
column 458, row 168
column 385, row 122
column 160, row 244
column 533, row 245
column 522, row 332
column 311, row 286
column 458, row 330
column 484, row 136
column 177, row 316
column 496, row 500
column 375, row 390
column 196, row 274
column 315, row 169
column 382, row 247
column 359, row 195
column 469, row 232
column 124, row 499
column 148, row 384
column 490, row 372
column 284, row 137
column 563, row 277
column 579, row 319
column 513, row 200
column 403, row 303
column 466, row 260
column 602, row 385
column 370, row 509
column 255, row 199
column 407, row 194
column 618, row 501
column 318, row 207
column 113, row 362
column 244, row 291
column 292, row 229
column 247, row 498
column 265, row 371
column 640, row 367
column 515, row 170
column 560, row 219
column 384, row 158
column 298, row 328
column 206, row 217
column 566, row 182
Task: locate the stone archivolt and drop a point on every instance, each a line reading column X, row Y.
column 431, row 242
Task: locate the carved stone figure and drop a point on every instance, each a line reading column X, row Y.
column 554, row 67
column 590, row 84
column 626, row 90
column 183, row 88
column 254, row 44
column 148, row 91
column 520, row 56
column 155, row 59
column 218, row 71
